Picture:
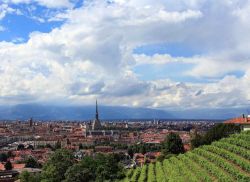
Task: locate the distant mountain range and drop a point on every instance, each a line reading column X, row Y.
column 49, row 112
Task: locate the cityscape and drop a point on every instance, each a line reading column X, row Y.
column 124, row 91
column 29, row 144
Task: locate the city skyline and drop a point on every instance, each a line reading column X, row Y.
column 137, row 53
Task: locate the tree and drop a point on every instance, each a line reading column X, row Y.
column 8, row 166
column 80, row 146
column 25, row 176
column 30, row 147
column 161, row 158
column 196, row 141
column 143, row 149
column 103, row 167
column 130, row 152
column 173, row 144
column 77, row 173
column 217, row 132
column 58, row 145
column 58, row 163
column 20, row 147
column 32, row 163
column 108, row 168
column 3, row 157
column 10, row 154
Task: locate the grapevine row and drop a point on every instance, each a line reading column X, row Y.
column 223, row 163
column 160, row 176
column 238, row 142
column 143, row 175
column 242, row 136
column 136, row 174
column 234, row 149
column 210, row 167
column 201, row 173
column 181, row 172
column 229, row 156
column 151, row 173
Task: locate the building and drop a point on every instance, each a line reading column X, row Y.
column 243, row 122
column 96, row 129
column 104, row 149
column 96, row 124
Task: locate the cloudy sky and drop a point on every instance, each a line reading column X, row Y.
column 159, row 54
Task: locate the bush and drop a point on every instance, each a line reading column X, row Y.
column 8, row 166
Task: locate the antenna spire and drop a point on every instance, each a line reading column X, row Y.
column 96, row 114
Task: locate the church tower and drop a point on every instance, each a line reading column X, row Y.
column 96, row 124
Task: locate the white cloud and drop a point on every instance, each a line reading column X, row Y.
column 91, row 55
column 47, row 3
column 4, row 10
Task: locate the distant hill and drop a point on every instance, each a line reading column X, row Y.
column 46, row 112
column 50, row 112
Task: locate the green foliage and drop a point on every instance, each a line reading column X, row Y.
column 136, row 174
column 80, row 146
column 8, row 166
column 77, row 174
column 237, row 142
column 197, row 141
column 226, row 160
column 143, row 175
column 151, row 173
column 130, row 173
column 58, row 145
column 102, row 167
column 172, row 144
column 25, row 176
column 160, row 176
column 143, row 148
column 20, row 147
column 130, row 152
column 210, row 167
column 202, row 175
column 30, row 147
column 57, row 165
column 223, row 163
column 32, row 163
column 232, row 150
column 183, row 172
column 3, row 157
column 160, row 158
column 219, row 131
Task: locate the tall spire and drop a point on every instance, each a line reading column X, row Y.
column 96, row 114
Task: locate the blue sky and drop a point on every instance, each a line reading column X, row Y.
column 29, row 18
column 157, row 54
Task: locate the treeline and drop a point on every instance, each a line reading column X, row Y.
column 219, row 131
column 62, row 167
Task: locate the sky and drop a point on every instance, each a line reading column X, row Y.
column 163, row 54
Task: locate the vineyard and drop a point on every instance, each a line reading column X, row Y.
column 225, row 160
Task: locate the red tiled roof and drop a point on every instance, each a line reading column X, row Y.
column 239, row 120
column 2, row 167
column 15, row 166
column 18, row 166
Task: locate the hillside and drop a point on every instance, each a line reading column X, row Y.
column 225, row 160
column 71, row 112
column 50, row 112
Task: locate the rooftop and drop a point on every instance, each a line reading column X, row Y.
column 239, row 120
